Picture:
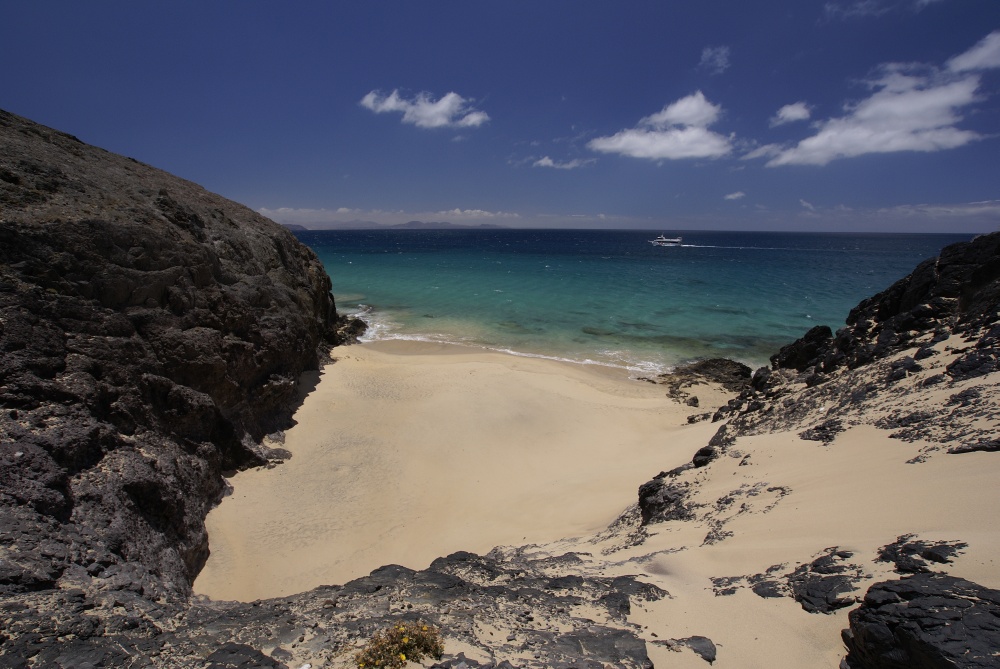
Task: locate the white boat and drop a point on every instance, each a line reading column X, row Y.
column 665, row 241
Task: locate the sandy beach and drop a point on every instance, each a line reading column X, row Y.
column 408, row 451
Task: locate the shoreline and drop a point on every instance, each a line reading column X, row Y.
column 407, row 451
column 642, row 367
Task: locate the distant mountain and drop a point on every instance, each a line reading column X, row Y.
column 439, row 225
column 409, row 225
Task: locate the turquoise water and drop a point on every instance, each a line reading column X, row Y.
column 610, row 297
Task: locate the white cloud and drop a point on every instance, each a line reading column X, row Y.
column 715, row 59
column 960, row 217
column 305, row 216
column 764, row 151
column 853, row 10
column 466, row 214
column 738, row 195
column 859, row 9
column 679, row 130
column 451, row 110
column 906, row 113
column 568, row 165
column 983, row 56
column 797, row 111
column 912, row 108
column 987, row 208
column 673, row 144
column 324, row 217
column 694, row 110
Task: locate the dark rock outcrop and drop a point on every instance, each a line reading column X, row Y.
column 151, row 333
column 925, row 621
column 913, row 556
column 661, row 500
column 824, row 432
column 805, row 352
column 702, row 646
column 464, row 594
column 731, row 375
column 825, row 584
column 959, row 291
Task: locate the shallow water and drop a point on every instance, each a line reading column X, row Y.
column 610, row 297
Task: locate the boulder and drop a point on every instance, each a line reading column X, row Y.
column 803, row 353
column 923, row 622
column 660, row 501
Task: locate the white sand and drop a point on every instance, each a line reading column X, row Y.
column 406, row 452
column 857, row 493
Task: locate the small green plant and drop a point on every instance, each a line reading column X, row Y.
column 392, row 648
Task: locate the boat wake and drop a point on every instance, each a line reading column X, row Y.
column 749, row 248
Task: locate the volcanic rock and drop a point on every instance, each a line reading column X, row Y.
column 660, row 501
column 958, row 291
column 803, row 353
column 912, row 556
column 731, row 375
column 927, row 620
column 821, row 586
column 151, row 334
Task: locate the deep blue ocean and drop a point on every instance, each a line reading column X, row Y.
column 610, row 297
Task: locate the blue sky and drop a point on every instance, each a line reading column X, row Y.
column 879, row 115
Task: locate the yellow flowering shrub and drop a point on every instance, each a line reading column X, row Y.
column 391, row 648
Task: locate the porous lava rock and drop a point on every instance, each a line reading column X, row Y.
column 958, row 291
column 923, row 622
column 910, row 555
column 151, row 333
column 821, row 586
column 544, row 619
column 804, row 352
column 661, row 500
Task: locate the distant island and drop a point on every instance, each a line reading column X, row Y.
column 409, row 225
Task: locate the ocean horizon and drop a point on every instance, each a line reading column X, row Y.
column 609, row 297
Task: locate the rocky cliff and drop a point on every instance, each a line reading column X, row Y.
column 151, row 333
